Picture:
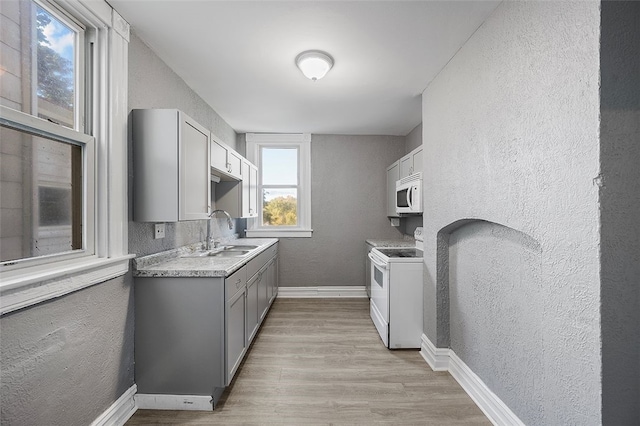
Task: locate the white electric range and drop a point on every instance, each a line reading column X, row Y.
column 396, row 294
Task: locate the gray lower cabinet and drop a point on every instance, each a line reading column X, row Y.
column 261, row 289
column 192, row 333
column 179, row 336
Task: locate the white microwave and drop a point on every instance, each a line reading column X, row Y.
column 409, row 194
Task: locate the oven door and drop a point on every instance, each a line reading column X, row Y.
column 380, row 295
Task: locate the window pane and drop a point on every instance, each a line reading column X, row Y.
column 279, row 166
column 41, row 196
column 280, row 207
column 38, row 62
column 55, row 57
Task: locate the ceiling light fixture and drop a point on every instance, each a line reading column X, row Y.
column 314, row 64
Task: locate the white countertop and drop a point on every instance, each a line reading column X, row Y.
column 171, row 264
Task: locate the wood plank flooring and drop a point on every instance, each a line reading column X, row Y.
column 321, row 362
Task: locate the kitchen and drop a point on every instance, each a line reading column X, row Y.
column 505, row 84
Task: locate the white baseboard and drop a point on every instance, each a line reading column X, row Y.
column 120, row 411
column 437, row 358
column 146, row 401
column 492, row 406
column 326, row 291
column 444, row 359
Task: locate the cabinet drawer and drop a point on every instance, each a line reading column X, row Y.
column 235, row 282
column 259, row 261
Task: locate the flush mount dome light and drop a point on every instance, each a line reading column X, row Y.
column 314, row 64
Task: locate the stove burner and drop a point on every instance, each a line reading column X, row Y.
column 401, row 252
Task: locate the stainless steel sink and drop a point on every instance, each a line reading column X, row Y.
column 229, row 253
column 218, row 253
column 223, row 251
column 240, row 247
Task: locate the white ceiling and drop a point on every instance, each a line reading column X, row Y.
column 239, row 57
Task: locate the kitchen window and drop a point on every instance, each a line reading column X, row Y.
column 57, row 123
column 284, row 187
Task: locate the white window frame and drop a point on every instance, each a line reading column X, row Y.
column 104, row 255
column 301, row 141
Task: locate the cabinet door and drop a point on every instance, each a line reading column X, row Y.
column 253, row 191
column 276, row 277
column 393, row 175
column 195, row 182
column 218, row 155
column 273, row 279
column 235, row 336
column 263, row 293
column 417, row 160
column 234, row 164
column 252, row 309
column 246, row 177
column 406, row 166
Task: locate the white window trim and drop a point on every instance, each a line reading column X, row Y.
column 302, row 141
column 22, row 287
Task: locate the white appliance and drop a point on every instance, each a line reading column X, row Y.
column 409, row 194
column 396, row 294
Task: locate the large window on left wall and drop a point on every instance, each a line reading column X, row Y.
column 56, row 125
column 45, row 154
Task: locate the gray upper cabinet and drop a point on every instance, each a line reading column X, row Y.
column 411, row 163
column 225, row 162
column 171, row 166
column 240, row 199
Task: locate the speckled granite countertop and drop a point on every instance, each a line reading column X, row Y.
column 171, row 264
column 406, row 242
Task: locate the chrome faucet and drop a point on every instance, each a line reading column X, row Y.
column 229, row 222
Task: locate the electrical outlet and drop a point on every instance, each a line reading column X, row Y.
column 159, row 232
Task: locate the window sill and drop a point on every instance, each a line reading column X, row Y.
column 289, row 233
column 23, row 288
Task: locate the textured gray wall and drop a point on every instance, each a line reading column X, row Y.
column 511, row 136
column 348, row 187
column 152, row 84
column 413, row 139
column 67, row 360
column 620, row 203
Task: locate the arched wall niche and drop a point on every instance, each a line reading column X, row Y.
column 443, row 264
column 491, row 308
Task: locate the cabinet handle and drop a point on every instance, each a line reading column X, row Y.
column 238, row 283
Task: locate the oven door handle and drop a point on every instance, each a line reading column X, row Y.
column 377, row 261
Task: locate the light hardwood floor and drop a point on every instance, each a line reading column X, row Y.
column 321, row 362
